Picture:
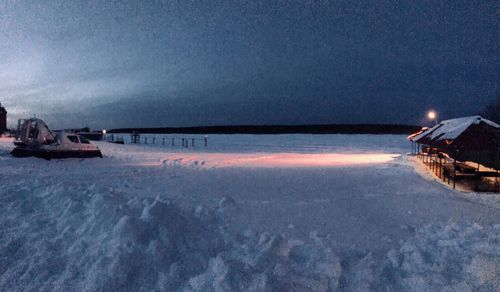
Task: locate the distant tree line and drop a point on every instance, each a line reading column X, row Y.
column 280, row 129
column 492, row 110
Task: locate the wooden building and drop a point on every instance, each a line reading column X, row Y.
column 470, row 139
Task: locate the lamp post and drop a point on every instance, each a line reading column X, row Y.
column 432, row 115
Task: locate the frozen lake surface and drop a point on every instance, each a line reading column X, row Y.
column 248, row 212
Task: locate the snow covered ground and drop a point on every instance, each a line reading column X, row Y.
column 248, row 212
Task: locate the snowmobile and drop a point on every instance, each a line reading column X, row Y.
column 34, row 138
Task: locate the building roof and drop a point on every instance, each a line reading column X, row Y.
column 450, row 130
column 416, row 134
column 468, row 139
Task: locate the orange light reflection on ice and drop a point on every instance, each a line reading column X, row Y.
column 279, row 160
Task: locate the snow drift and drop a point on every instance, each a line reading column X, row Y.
column 99, row 240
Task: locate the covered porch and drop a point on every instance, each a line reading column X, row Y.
column 463, row 153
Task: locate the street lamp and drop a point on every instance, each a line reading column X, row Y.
column 432, row 115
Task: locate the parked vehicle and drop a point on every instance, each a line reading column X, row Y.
column 34, row 138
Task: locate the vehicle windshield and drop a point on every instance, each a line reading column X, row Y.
column 73, row 138
column 84, row 140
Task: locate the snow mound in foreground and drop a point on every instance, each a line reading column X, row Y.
column 452, row 257
column 102, row 240
column 96, row 240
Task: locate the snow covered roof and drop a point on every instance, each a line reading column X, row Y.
column 418, row 133
column 452, row 129
column 466, row 139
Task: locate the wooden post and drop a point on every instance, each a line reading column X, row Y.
column 206, row 141
column 145, row 140
column 441, row 167
column 173, row 141
column 192, row 142
column 496, row 183
column 154, row 138
column 438, row 166
column 434, row 163
column 454, row 172
column 163, row 142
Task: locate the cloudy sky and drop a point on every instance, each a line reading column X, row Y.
column 186, row 63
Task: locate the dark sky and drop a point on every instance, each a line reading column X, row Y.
column 185, row 63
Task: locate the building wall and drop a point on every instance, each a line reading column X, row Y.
column 3, row 120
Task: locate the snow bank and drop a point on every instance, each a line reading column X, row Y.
column 463, row 257
column 96, row 240
column 440, row 257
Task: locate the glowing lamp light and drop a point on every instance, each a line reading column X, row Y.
column 432, row 115
column 104, row 131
